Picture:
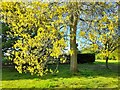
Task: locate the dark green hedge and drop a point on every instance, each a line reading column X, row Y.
column 85, row 58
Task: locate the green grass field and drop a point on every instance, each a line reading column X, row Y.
column 90, row 76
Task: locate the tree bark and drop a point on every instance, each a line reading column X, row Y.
column 73, row 46
column 107, row 62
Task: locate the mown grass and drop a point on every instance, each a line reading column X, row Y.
column 89, row 76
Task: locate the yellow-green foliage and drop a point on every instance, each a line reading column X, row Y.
column 38, row 38
column 103, row 29
column 109, row 39
column 104, row 38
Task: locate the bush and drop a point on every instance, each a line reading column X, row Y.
column 82, row 58
column 6, row 62
column 85, row 58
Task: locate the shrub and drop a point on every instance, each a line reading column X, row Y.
column 82, row 58
column 85, row 58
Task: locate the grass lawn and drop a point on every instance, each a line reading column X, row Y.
column 90, row 76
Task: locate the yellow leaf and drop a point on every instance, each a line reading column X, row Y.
column 82, row 33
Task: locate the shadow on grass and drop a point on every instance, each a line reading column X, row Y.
column 85, row 70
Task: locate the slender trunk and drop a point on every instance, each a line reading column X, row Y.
column 107, row 62
column 73, row 57
column 73, row 46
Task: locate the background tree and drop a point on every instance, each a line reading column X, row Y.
column 104, row 35
column 7, row 42
column 107, row 40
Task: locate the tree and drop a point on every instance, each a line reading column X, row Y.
column 28, row 23
column 108, row 39
column 75, row 11
column 7, row 41
column 104, row 35
column 35, row 24
column 73, row 47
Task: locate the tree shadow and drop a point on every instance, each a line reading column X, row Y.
column 85, row 70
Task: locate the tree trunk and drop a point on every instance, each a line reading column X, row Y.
column 73, row 46
column 73, row 56
column 107, row 62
